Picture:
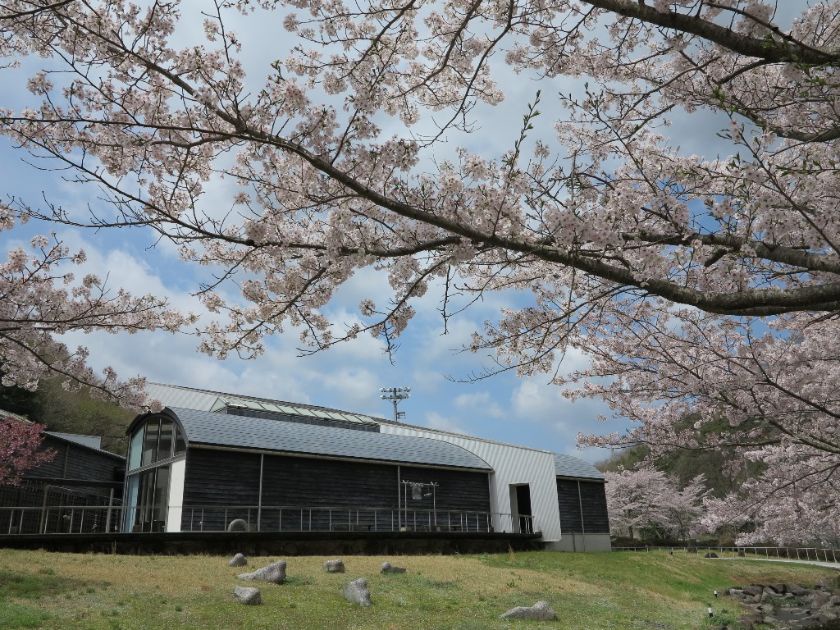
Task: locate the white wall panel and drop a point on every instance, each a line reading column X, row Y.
column 176, row 495
column 511, row 465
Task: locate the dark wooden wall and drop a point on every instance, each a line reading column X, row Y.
column 355, row 489
column 74, row 461
column 594, row 500
column 594, row 519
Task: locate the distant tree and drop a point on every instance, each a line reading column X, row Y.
column 646, row 500
column 684, row 508
column 19, row 444
column 634, row 500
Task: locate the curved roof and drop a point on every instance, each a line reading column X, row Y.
column 568, row 466
column 220, row 429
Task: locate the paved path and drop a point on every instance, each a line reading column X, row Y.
column 816, row 563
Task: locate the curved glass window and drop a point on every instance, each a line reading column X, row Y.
column 147, row 491
column 155, row 440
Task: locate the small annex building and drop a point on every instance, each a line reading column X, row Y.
column 212, row 461
column 52, row 496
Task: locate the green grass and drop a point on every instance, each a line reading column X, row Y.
column 588, row 591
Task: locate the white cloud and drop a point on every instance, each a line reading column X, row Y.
column 479, row 402
column 435, row 420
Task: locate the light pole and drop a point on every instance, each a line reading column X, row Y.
column 395, row 395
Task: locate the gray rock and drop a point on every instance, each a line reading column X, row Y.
column 711, row 554
column 275, row 573
column 239, row 560
column 752, row 589
column 387, row 567
column 334, row 566
column 357, row 592
column 540, row 611
column 819, row 598
column 238, row 525
column 247, row 595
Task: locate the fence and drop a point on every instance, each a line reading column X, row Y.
column 60, row 519
column 78, row 519
column 818, row 554
column 333, row 519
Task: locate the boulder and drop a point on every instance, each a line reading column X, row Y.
column 387, row 567
column 753, row 589
column 239, row 560
column 796, row 590
column 247, row 595
column 540, row 611
column 275, row 573
column 334, row 566
column 238, row 525
column 357, row 592
column 711, row 554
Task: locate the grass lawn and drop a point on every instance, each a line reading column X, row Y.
column 588, row 591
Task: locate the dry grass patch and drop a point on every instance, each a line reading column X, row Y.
column 619, row 590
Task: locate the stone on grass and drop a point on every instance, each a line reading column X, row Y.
column 711, row 554
column 239, row 560
column 334, row 566
column 387, row 567
column 357, row 592
column 247, row 595
column 540, row 611
column 275, row 572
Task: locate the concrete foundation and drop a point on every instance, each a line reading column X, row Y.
column 580, row 542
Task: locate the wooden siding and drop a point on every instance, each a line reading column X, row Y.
column 594, row 500
column 73, row 461
column 218, row 478
column 567, row 497
column 457, row 490
column 594, row 519
column 228, row 478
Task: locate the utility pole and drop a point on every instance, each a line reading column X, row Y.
column 395, row 395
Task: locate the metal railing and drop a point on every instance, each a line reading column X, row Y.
column 78, row 519
column 295, row 518
column 814, row 554
column 60, row 519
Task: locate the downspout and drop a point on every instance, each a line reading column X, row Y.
column 260, row 495
column 582, row 526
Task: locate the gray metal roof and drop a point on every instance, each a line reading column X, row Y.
column 568, row 466
column 219, row 429
column 209, row 400
column 91, row 441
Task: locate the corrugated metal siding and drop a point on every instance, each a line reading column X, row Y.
column 511, row 465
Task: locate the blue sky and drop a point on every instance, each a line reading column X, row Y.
column 525, row 411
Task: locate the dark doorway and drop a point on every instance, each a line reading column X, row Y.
column 523, row 518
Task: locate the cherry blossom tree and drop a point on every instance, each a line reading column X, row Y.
column 42, row 299
column 692, row 279
column 634, row 500
column 19, row 444
column 765, row 393
column 648, row 499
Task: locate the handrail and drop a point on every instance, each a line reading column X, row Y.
column 272, row 518
column 816, row 554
